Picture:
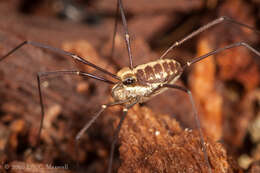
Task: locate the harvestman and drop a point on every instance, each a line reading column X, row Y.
column 137, row 84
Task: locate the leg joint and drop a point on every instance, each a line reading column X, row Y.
column 40, row 74
column 222, row 18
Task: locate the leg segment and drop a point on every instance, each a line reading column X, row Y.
column 205, row 27
column 115, row 31
column 46, row 74
column 59, row 51
column 188, row 63
column 93, row 119
column 127, row 37
column 85, row 128
column 196, row 119
column 115, row 138
column 125, row 110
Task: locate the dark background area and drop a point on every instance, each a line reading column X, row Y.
column 225, row 87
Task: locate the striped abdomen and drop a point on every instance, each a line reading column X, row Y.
column 159, row 71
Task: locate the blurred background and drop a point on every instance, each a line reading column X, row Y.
column 225, row 87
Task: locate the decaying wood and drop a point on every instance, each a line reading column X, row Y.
column 150, row 141
column 157, row 143
column 254, row 168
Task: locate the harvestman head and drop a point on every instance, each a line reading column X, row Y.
column 140, row 83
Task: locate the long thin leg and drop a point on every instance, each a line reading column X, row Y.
column 205, row 27
column 115, row 31
column 67, row 72
column 93, row 119
column 112, row 149
column 196, row 119
column 88, row 124
column 188, row 63
column 62, row 52
column 75, row 72
column 127, row 37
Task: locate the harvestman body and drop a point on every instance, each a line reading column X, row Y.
column 138, row 84
column 146, row 80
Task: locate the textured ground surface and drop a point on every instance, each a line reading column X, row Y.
column 155, row 136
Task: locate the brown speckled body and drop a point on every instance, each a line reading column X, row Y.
column 149, row 78
column 160, row 71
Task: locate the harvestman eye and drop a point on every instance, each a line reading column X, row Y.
column 129, row 81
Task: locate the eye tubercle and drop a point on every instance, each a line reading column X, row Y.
column 129, row 81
